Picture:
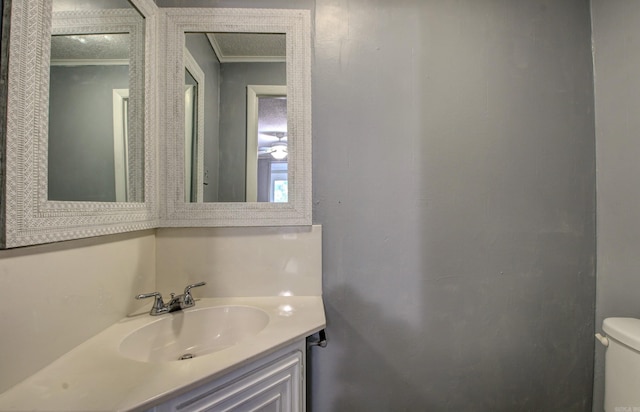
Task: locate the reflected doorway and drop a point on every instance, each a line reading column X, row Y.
column 267, row 148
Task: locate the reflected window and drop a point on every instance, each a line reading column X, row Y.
column 278, row 192
column 272, row 149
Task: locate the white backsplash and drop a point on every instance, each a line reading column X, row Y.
column 252, row 261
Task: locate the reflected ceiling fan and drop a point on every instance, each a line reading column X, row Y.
column 277, row 149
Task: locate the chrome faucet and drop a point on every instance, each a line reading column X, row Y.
column 175, row 303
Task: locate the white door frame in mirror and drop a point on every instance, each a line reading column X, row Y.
column 29, row 217
column 194, row 180
column 254, row 92
column 296, row 26
column 121, row 143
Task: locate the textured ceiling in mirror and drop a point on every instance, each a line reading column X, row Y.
column 271, row 127
column 249, row 47
column 78, row 5
column 111, row 46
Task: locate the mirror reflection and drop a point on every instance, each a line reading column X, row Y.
column 194, row 92
column 96, row 89
column 267, row 144
column 243, row 146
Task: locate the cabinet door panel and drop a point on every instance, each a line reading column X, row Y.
column 273, row 388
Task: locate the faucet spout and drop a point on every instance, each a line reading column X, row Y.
column 174, row 303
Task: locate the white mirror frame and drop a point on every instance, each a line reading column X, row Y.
column 29, row 217
column 295, row 24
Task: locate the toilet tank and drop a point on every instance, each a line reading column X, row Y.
column 622, row 365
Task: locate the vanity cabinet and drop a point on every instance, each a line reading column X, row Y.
column 274, row 383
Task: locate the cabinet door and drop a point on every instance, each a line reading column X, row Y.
column 276, row 387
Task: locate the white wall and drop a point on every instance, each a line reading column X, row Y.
column 616, row 40
column 56, row 296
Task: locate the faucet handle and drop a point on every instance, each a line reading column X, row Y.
column 195, row 285
column 158, row 303
column 187, row 300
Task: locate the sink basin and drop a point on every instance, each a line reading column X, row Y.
column 188, row 334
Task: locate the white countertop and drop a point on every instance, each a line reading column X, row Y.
column 94, row 376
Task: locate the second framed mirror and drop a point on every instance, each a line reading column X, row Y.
column 237, row 141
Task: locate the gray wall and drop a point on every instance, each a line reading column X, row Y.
column 616, row 34
column 81, row 157
column 233, row 121
column 203, row 53
column 454, row 179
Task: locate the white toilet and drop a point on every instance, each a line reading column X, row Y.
column 622, row 364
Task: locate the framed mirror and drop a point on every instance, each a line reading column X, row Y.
column 79, row 147
column 251, row 166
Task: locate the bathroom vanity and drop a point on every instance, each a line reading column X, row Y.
column 135, row 364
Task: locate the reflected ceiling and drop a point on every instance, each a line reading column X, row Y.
column 248, row 47
column 111, row 46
